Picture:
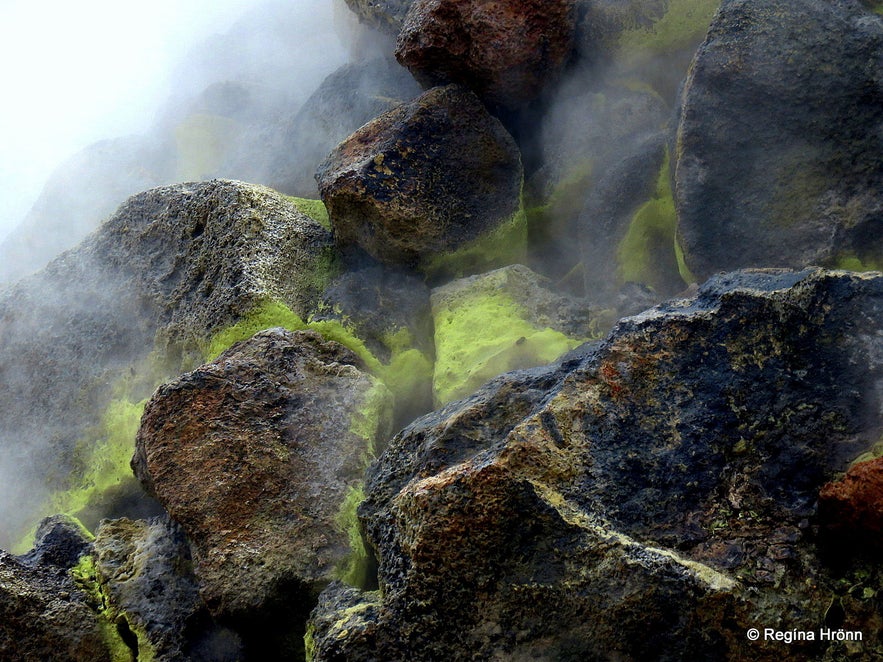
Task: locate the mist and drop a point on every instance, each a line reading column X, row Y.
column 111, row 100
column 99, row 89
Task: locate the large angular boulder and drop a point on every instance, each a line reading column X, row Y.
column 83, row 341
column 424, row 181
column 257, row 455
column 779, row 159
column 652, row 498
column 506, row 52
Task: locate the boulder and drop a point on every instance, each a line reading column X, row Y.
column 506, row 52
column 503, row 320
column 49, row 607
column 651, row 497
column 86, row 339
column 601, row 211
column 350, row 97
column 425, row 183
column 146, row 576
column 853, row 505
column 259, row 455
column 778, row 159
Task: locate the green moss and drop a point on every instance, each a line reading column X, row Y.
column 506, row 244
column 315, row 209
column 682, row 26
column 409, row 370
column 484, row 335
column 85, row 576
column 202, row 142
column 266, row 315
column 649, row 252
column 851, row 262
column 372, row 418
column 310, row 643
column 355, row 570
column 101, row 466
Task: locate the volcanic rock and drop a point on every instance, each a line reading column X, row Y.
column 348, row 98
column 425, row 180
column 506, row 52
column 48, row 612
column 146, row 575
column 169, row 269
column 779, row 159
column 853, row 505
column 652, row 498
column 255, row 455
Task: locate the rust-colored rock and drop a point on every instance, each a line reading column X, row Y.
column 505, row 51
column 423, row 179
column 854, row 504
column 254, row 454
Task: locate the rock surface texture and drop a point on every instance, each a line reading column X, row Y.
column 651, row 499
column 171, row 267
column 779, row 159
column 423, row 180
column 506, row 52
column 254, row 455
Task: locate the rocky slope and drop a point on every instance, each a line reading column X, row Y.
column 585, row 489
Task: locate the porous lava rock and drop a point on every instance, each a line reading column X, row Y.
column 853, row 505
column 170, row 268
column 46, row 612
column 779, row 159
column 255, row 454
column 506, row 52
column 423, row 180
column 650, row 497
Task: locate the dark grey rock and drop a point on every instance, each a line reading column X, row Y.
column 779, row 159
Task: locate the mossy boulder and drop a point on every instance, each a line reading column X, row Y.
column 425, row 181
column 256, row 454
column 506, row 53
column 499, row 321
column 348, row 98
column 778, row 159
column 600, row 213
column 86, row 339
column 653, row 497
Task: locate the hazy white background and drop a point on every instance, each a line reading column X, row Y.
column 76, row 72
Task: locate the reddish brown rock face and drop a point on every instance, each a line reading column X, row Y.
column 854, row 505
column 253, row 455
column 504, row 50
